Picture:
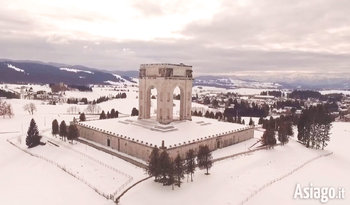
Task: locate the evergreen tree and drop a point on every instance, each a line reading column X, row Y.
column 73, row 132
column 207, row 114
column 190, row 163
column 63, row 130
column 116, row 115
column 164, row 166
column 239, row 120
column 179, row 170
column 282, row 134
column 134, row 112
column 109, row 115
column 33, row 137
column 103, row 115
column 153, row 168
column 200, row 114
column 204, row 158
column 251, row 122
column 261, row 119
column 268, row 137
column 55, row 128
column 82, row 117
column 243, row 122
column 113, row 114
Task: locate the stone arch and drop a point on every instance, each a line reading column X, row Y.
column 182, row 102
column 165, row 78
column 148, row 100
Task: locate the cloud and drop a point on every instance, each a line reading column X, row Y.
column 215, row 36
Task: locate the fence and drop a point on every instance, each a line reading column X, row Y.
column 111, row 196
column 282, row 177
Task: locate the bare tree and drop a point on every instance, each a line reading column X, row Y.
column 30, row 108
column 73, row 110
column 6, row 109
column 93, row 109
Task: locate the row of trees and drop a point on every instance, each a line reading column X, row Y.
column 112, row 114
column 284, row 128
column 170, row 172
column 314, row 127
column 71, row 132
column 275, row 93
column 8, row 94
column 218, row 115
column 5, row 109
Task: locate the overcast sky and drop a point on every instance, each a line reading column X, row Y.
column 222, row 36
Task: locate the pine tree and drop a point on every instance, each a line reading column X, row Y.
column 268, row 137
column 190, row 163
column 251, row 122
column 73, row 132
column 82, row 117
column 153, row 168
column 164, row 166
column 113, row 113
column 282, row 133
column 63, row 130
column 55, row 128
column 33, row 137
column 116, row 114
column 179, row 170
column 103, row 115
column 243, row 122
column 204, row 158
column 134, row 112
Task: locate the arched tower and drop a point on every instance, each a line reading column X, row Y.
column 165, row 78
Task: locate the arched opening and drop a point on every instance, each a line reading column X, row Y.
column 153, row 96
column 177, row 103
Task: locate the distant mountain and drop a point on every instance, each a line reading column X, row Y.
column 38, row 72
column 233, row 82
column 25, row 71
column 292, row 80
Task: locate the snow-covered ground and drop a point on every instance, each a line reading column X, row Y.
column 25, row 179
column 325, row 92
column 28, row 180
column 233, row 180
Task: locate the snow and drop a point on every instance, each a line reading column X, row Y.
column 15, row 68
column 109, row 91
column 233, row 180
column 29, row 180
column 141, row 130
column 330, row 171
column 38, row 182
column 325, row 92
column 240, row 91
column 76, row 70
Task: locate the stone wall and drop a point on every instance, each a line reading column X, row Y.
column 142, row 150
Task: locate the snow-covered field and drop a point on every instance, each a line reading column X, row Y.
column 234, row 180
column 25, row 179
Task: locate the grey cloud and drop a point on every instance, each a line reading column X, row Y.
column 235, row 40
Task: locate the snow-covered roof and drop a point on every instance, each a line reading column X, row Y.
column 151, row 132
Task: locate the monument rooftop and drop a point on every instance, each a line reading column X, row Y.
column 149, row 131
